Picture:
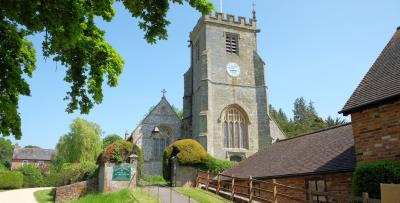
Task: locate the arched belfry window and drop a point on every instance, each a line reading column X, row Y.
column 161, row 139
column 234, row 128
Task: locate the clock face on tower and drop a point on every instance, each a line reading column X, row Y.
column 233, row 69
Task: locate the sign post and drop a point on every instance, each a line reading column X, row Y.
column 121, row 173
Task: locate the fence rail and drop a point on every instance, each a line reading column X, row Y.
column 250, row 189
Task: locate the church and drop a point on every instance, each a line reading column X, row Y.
column 225, row 101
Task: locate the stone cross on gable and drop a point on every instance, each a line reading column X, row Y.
column 163, row 92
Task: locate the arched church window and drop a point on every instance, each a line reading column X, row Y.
column 234, row 128
column 160, row 141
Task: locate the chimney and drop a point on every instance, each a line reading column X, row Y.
column 126, row 135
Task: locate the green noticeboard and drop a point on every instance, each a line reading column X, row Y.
column 121, row 173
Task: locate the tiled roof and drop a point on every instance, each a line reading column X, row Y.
column 382, row 82
column 33, row 154
column 325, row 151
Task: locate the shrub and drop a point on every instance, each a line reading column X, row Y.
column 71, row 173
column 32, row 176
column 368, row 176
column 217, row 165
column 10, row 180
column 117, row 152
column 187, row 152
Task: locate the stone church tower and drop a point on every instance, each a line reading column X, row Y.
column 225, row 101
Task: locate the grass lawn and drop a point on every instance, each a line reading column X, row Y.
column 153, row 180
column 44, row 196
column 118, row 197
column 200, row 195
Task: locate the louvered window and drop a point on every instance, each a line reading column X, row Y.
column 232, row 44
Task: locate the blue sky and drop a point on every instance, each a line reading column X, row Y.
column 316, row 49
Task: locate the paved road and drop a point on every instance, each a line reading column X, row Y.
column 20, row 195
column 164, row 194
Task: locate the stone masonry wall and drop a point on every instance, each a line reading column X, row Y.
column 74, row 191
column 377, row 133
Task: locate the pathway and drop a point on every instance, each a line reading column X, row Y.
column 20, row 195
column 164, row 194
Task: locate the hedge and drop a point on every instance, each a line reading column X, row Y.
column 217, row 165
column 71, row 173
column 140, row 165
column 187, row 152
column 368, row 176
column 32, row 176
column 11, row 180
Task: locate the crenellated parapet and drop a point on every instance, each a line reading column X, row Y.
column 231, row 19
column 227, row 20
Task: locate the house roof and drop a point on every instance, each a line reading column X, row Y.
column 325, row 151
column 33, row 154
column 382, row 81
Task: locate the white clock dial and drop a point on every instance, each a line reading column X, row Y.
column 233, row 69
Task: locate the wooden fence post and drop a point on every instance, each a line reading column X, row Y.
column 233, row 188
column 275, row 190
column 250, row 189
column 310, row 198
column 207, row 179
column 365, row 197
column 218, row 183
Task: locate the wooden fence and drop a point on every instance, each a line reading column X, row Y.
column 250, row 190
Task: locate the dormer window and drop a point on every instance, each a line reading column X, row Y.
column 232, row 43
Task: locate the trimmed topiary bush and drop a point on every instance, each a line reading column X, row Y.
column 217, row 165
column 32, row 176
column 11, row 179
column 187, row 152
column 368, row 176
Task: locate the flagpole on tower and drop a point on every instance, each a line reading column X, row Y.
column 220, row 6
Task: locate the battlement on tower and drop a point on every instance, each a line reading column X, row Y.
column 227, row 20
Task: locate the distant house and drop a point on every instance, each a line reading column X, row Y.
column 35, row 156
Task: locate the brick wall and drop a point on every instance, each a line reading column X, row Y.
column 377, row 132
column 76, row 190
column 16, row 164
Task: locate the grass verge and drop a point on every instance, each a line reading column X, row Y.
column 200, row 195
column 44, row 196
column 118, row 197
column 153, row 180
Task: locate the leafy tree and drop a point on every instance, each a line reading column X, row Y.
column 109, row 139
column 72, row 38
column 31, row 146
column 332, row 122
column 305, row 119
column 178, row 111
column 81, row 144
column 6, row 152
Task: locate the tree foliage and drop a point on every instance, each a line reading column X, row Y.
column 81, row 144
column 72, row 38
column 109, row 139
column 305, row 118
column 6, row 152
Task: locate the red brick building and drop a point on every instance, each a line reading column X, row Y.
column 375, row 107
column 36, row 156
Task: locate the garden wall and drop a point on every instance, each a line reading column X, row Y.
column 76, row 190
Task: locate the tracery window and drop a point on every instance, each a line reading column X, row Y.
column 234, row 129
column 160, row 141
